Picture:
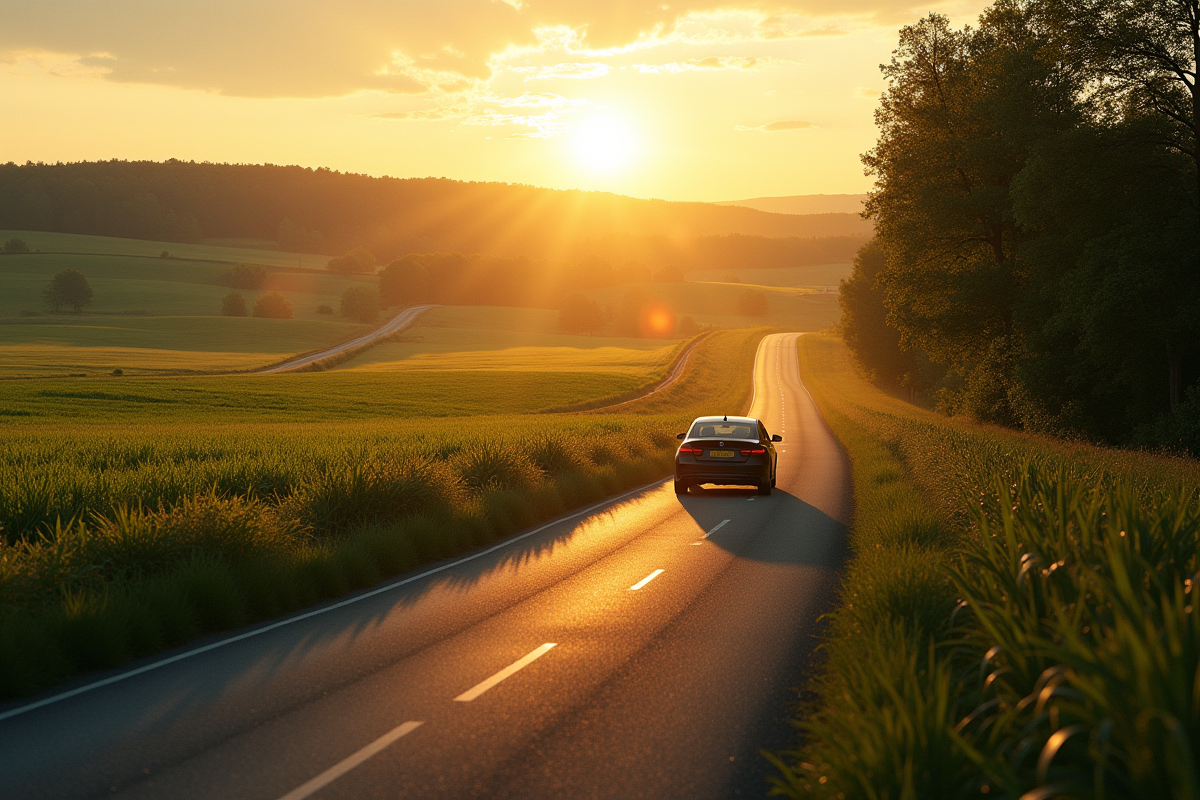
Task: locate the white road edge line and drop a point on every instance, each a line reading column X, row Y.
column 345, row 765
column 645, row 580
column 507, row 672
column 716, row 528
column 317, row 611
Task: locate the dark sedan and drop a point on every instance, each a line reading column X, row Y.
column 727, row 451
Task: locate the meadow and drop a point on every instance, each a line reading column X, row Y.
column 125, row 532
column 1016, row 617
column 818, row 276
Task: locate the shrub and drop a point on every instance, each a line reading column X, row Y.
column 164, row 254
column 323, row 309
column 273, row 306
column 752, row 303
column 358, row 261
column 245, row 276
column 118, row 372
column 361, row 304
column 233, row 305
column 16, row 246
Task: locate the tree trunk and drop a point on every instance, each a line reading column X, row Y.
column 1175, row 376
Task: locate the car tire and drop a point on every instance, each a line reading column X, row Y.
column 773, row 477
column 764, row 489
column 681, row 487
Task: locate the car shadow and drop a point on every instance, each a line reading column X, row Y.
column 780, row 528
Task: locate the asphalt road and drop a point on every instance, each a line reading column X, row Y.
column 394, row 325
column 621, row 653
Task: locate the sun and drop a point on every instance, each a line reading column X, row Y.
column 604, row 144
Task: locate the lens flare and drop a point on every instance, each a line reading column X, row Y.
column 657, row 322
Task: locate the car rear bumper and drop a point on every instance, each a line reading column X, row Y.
column 722, row 475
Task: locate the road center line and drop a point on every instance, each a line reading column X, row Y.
column 645, row 580
column 507, row 672
column 345, row 765
column 717, row 527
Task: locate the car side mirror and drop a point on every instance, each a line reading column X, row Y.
column 681, row 436
column 777, row 438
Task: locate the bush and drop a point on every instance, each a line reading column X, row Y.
column 580, row 314
column 752, row 303
column 164, row 254
column 358, row 261
column 404, row 282
column 233, row 305
column 273, row 306
column 16, row 246
column 360, row 304
column 245, row 276
column 323, row 309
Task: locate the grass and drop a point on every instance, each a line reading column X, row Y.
column 122, row 538
column 526, row 339
column 257, row 252
column 818, row 276
column 1016, row 616
column 790, row 308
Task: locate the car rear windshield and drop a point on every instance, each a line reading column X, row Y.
column 723, row 430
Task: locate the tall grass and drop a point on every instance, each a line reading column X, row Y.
column 121, row 540
column 1016, row 619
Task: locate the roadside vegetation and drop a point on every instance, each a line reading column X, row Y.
column 124, row 537
column 1016, row 618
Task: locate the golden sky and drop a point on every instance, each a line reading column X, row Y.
column 691, row 100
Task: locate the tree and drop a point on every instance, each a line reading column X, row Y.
column 752, row 303
column 234, row 305
column 864, row 327
column 358, row 261
column 961, row 113
column 404, row 282
column 580, row 314
column 69, row 288
column 245, row 276
column 295, row 239
column 360, row 304
column 16, row 246
column 671, row 273
column 273, row 305
column 1139, row 58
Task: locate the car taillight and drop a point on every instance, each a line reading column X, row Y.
column 692, row 450
column 755, row 451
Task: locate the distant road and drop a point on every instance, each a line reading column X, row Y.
column 396, row 324
column 644, row 648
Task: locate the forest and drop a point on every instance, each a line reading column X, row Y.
column 323, row 211
column 1036, row 256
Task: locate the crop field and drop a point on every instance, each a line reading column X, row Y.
column 490, row 338
column 139, row 514
column 252, row 252
column 1016, row 617
column 789, row 308
column 818, row 276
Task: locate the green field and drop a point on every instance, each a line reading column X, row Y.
column 154, row 315
column 1016, row 615
column 490, row 338
column 227, row 251
column 820, row 276
column 789, row 308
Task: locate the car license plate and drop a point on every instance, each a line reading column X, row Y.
column 720, row 454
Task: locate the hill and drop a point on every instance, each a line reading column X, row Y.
column 322, row 211
column 806, row 204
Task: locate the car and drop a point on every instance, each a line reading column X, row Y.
column 727, row 451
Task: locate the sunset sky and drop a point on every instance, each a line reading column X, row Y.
column 693, row 100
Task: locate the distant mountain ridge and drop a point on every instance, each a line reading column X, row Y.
column 802, row 204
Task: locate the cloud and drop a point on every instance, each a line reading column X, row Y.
column 708, row 64
column 773, row 127
column 550, row 117
column 864, row 93
column 316, row 48
column 576, row 71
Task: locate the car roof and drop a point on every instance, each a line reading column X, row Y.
column 746, row 420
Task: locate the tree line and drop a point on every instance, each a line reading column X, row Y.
column 1036, row 260
column 322, row 211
